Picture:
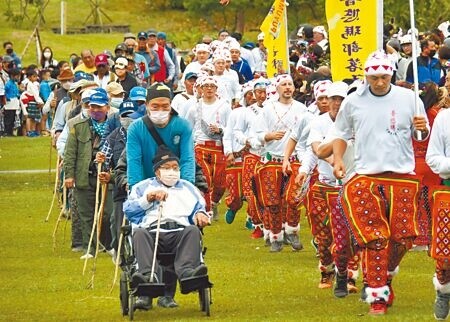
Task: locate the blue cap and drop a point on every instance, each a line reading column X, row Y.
column 161, row 35
column 79, row 75
column 127, row 107
column 190, row 75
column 249, row 45
column 142, row 34
column 138, row 93
column 99, row 97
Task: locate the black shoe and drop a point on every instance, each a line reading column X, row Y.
column 167, row 302
column 139, row 278
column 198, row 271
column 143, row 303
column 340, row 288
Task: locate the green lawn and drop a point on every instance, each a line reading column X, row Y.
column 250, row 284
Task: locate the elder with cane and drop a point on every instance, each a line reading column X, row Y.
column 182, row 214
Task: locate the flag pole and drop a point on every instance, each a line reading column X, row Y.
column 414, row 62
column 286, row 4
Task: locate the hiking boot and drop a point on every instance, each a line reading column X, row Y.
column 391, row 298
column 340, row 289
column 379, row 307
column 441, row 306
column 215, row 211
column 327, row 280
column 276, row 246
column 229, row 216
column 294, row 241
column 257, row 233
column 267, row 242
column 167, row 302
column 143, row 303
column 351, row 286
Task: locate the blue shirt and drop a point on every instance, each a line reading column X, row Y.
column 11, row 90
column 141, row 149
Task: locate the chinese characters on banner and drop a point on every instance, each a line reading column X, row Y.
column 355, row 30
column 275, row 39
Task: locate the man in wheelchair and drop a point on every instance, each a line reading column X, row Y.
column 181, row 208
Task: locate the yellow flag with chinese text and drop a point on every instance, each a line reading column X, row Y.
column 275, row 39
column 355, row 30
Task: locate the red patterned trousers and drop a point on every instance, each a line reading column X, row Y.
column 440, row 237
column 345, row 255
column 279, row 196
column 234, row 185
column 254, row 210
column 212, row 161
column 382, row 214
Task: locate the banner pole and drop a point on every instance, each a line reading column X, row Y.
column 286, row 4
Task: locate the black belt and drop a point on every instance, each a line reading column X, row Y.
column 171, row 225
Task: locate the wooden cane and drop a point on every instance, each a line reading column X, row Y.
column 119, row 249
column 55, row 190
column 94, row 224
column 51, row 126
column 63, row 209
column 99, row 229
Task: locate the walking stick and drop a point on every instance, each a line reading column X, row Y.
column 99, row 230
column 55, row 190
column 51, row 125
column 418, row 134
column 158, row 224
column 94, row 224
column 119, row 249
column 60, row 215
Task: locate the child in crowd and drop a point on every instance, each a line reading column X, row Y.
column 44, row 93
column 32, row 103
column 12, row 106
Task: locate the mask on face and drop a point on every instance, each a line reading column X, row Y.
column 159, row 117
column 432, row 53
column 98, row 116
column 66, row 85
column 47, row 54
column 169, row 176
column 9, row 51
column 116, row 101
column 125, row 122
column 85, row 112
column 130, row 50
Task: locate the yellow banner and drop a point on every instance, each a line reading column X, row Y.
column 275, row 39
column 355, row 30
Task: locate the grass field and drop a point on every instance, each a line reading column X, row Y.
column 250, row 284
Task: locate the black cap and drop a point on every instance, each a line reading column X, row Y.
column 163, row 155
column 158, row 90
column 121, row 46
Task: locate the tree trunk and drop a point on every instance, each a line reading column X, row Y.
column 240, row 21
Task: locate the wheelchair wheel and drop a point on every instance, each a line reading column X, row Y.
column 124, row 293
column 205, row 303
column 132, row 301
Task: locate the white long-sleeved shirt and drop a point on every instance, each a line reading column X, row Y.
column 183, row 203
column 276, row 116
column 438, row 152
column 216, row 114
column 230, row 142
column 228, row 86
column 244, row 128
column 382, row 127
column 179, row 103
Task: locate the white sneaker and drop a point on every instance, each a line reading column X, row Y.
column 88, row 256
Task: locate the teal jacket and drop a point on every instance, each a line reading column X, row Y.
column 82, row 145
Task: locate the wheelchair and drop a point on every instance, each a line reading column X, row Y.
column 129, row 292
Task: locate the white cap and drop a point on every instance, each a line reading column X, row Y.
column 321, row 30
column 406, row 39
column 337, row 89
column 444, row 28
column 121, row 63
column 260, row 36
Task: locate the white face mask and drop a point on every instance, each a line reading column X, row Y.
column 85, row 112
column 116, row 101
column 66, row 85
column 159, row 117
column 47, row 54
column 169, row 176
column 125, row 122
